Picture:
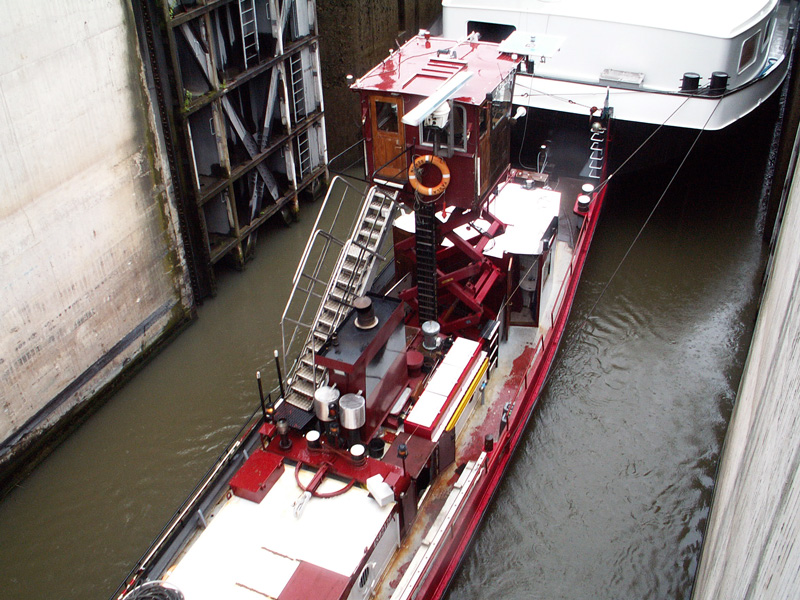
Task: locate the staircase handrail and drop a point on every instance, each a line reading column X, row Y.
column 354, row 287
column 343, row 256
column 334, row 192
column 315, row 227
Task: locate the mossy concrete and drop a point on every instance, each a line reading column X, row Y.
column 94, row 276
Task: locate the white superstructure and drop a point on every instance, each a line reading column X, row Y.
column 641, row 51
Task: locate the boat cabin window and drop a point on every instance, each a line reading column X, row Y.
column 456, row 125
column 483, row 120
column 490, row 32
column 386, row 116
column 748, row 54
column 501, row 100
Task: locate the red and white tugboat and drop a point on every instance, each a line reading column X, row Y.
column 416, row 344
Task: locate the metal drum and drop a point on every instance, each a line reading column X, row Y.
column 322, row 399
column 353, row 411
column 430, row 332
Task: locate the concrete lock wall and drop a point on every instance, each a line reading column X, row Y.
column 751, row 548
column 91, row 270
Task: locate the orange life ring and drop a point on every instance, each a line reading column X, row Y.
column 436, row 162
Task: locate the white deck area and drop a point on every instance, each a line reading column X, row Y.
column 250, row 551
column 526, row 213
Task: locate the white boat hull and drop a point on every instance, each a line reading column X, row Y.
column 677, row 110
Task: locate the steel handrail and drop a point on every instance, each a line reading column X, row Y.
column 314, row 228
column 316, row 232
column 334, row 275
column 354, row 275
column 376, row 173
column 309, row 291
column 354, row 286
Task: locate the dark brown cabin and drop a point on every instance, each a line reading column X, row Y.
column 470, row 82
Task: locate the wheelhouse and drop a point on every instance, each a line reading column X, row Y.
column 443, row 98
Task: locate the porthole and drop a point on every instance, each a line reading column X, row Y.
column 364, row 579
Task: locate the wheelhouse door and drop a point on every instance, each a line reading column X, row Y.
column 388, row 140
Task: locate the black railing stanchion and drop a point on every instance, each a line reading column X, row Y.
column 280, row 377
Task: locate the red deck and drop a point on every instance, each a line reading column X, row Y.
column 422, row 65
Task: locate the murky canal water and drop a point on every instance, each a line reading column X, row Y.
column 608, row 494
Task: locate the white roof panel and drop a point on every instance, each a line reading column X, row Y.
column 527, row 215
column 716, row 18
column 426, row 409
column 460, row 352
column 251, row 550
column 442, row 382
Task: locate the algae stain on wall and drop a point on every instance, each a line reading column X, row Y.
column 91, row 268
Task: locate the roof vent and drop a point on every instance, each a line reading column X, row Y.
column 365, row 313
column 430, row 332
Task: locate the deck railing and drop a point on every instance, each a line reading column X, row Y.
column 191, row 506
column 317, row 262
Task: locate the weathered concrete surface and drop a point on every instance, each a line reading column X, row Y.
column 751, row 548
column 354, row 36
column 90, row 269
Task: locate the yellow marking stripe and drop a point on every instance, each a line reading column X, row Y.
column 470, row 390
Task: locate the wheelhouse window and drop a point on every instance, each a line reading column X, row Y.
column 457, row 123
column 386, row 117
column 748, row 53
column 501, row 100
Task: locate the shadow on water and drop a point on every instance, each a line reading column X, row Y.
column 609, row 491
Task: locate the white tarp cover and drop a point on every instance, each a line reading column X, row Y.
column 251, row 550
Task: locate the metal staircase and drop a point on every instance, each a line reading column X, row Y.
column 247, row 18
column 327, row 299
column 596, row 156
